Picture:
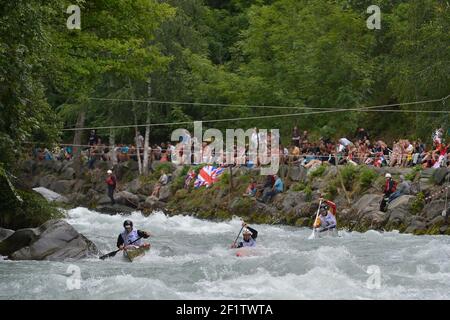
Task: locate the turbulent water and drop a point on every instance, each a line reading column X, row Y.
column 190, row 259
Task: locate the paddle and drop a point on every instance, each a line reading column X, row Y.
column 234, row 243
column 113, row 253
column 314, row 228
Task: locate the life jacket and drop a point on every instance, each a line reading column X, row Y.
column 249, row 243
column 110, row 181
column 130, row 237
column 389, row 188
column 325, row 221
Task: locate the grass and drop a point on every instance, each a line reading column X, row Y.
column 418, row 203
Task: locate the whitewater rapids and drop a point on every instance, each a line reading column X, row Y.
column 190, row 259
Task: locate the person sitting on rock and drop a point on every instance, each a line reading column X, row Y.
column 163, row 180
column 130, row 236
column 251, row 189
column 270, row 193
column 404, row 188
column 249, row 236
column 111, row 182
column 327, row 218
column 390, row 187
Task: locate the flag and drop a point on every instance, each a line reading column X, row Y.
column 207, row 176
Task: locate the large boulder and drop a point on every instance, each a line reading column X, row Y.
column 29, row 166
column 54, row 240
column 62, row 186
column 127, row 199
column 367, row 203
column 398, row 211
column 151, row 203
column 427, row 173
column 433, row 209
column 297, row 173
column 5, row 233
column 417, row 226
column 291, row 200
column 46, row 181
column 165, row 193
column 440, row 175
column 51, row 195
column 68, row 173
column 114, row 209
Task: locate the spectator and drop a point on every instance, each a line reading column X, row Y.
column 404, row 188
column 111, row 182
column 251, row 189
column 296, row 137
column 390, row 187
column 93, row 139
column 163, row 180
column 270, row 193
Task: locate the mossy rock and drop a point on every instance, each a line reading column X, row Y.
column 303, row 222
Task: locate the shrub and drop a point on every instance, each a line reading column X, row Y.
column 348, row 174
column 299, row 186
column 366, row 178
column 418, row 203
column 318, row 172
column 308, row 193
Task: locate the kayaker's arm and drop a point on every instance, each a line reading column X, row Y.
column 119, row 241
column 240, row 245
column 254, row 232
column 143, row 234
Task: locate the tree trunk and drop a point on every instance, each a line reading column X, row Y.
column 147, row 129
column 146, row 143
column 138, row 154
column 112, row 146
column 77, row 143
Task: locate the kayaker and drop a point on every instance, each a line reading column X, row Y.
column 327, row 218
column 130, row 234
column 249, row 237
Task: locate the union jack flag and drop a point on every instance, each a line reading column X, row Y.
column 207, row 176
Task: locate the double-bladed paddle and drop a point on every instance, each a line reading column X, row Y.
column 113, row 253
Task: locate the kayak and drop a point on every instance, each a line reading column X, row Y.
column 326, row 234
column 133, row 252
column 247, row 252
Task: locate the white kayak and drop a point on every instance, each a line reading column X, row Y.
column 326, row 234
column 248, row 251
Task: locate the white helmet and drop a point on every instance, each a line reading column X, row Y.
column 246, row 231
column 388, row 175
column 109, row 171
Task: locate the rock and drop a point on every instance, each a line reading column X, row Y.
column 425, row 184
column 62, row 186
column 367, row 203
column 433, row 209
column 398, row 211
column 427, row 173
column 165, row 193
column 54, row 240
column 46, row 181
column 416, row 226
column 297, row 173
column 330, row 172
column 127, row 199
column 114, row 209
column 29, row 166
column 373, row 220
column 5, row 233
column 104, row 200
column 68, row 173
column 440, row 175
column 437, row 221
column 151, row 203
column 134, row 185
column 50, row 195
column 291, row 200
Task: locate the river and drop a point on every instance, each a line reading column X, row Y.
column 190, row 259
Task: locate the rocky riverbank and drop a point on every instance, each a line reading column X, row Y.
column 356, row 190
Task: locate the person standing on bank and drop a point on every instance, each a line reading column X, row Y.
column 111, row 182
